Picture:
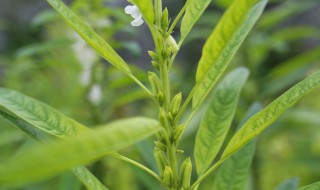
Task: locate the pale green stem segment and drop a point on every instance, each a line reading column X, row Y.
column 137, row 164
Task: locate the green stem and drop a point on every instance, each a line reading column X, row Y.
column 176, row 20
column 204, row 175
column 164, row 77
column 137, row 164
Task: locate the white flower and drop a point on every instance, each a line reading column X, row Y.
column 95, row 94
column 134, row 11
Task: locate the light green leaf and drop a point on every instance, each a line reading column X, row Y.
column 218, row 118
column 52, row 158
column 290, row 184
column 92, row 38
column 40, row 121
column 146, row 8
column 38, row 114
column 194, row 10
column 268, row 115
column 223, row 43
column 314, row 186
column 291, row 71
column 234, row 171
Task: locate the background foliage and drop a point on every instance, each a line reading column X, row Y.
column 46, row 60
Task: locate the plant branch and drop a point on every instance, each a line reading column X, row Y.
column 137, row 164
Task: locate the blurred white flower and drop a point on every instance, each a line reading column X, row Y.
column 134, row 11
column 95, row 94
column 86, row 58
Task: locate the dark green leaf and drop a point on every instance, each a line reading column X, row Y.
column 260, row 121
column 52, row 158
column 234, row 171
column 218, row 118
column 92, row 38
column 223, row 43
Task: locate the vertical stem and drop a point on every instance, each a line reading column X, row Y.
column 164, row 62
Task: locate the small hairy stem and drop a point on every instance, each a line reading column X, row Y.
column 164, row 76
column 141, row 85
column 176, row 20
column 205, row 174
column 173, row 163
column 137, row 164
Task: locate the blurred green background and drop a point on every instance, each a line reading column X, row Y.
column 41, row 56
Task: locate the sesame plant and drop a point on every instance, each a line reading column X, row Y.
column 68, row 145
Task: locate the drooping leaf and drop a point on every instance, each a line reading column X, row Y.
column 146, row 8
column 41, row 122
column 290, row 184
column 223, row 43
column 52, row 158
column 38, row 114
column 314, row 186
column 194, row 10
column 218, row 118
column 260, row 121
column 234, row 171
column 92, row 38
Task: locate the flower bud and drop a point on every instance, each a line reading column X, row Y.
column 172, row 44
column 177, row 133
column 161, row 160
column 164, row 120
column 155, row 64
column 160, row 146
column 185, row 174
column 160, row 98
column 165, row 19
column 153, row 55
column 155, row 83
column 170, row 117
column 175, row 104
column 167, row 177
column 179, row 151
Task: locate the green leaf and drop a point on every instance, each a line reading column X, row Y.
column 282, row 13
column 260, row 121
column 92, row 38
column 40, row 121
column 38, row 114
column 291, row 71
column 88, row 179
column 290, row 184
column 223, row 43
column 218, row 118
column 194, row 10
column 146, row 8
column 52, row 158
column 314, row 186
column 234, row 171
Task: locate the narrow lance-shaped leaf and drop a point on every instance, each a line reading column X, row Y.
column 268, row 115
column 234, row 171
column 194, row 10
column 37, row 114
column 223, row 43
column 314, row 186
column 15, row 108
column 52, row 158
column 146, row 8
column 218, row 118
column 92, row 38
